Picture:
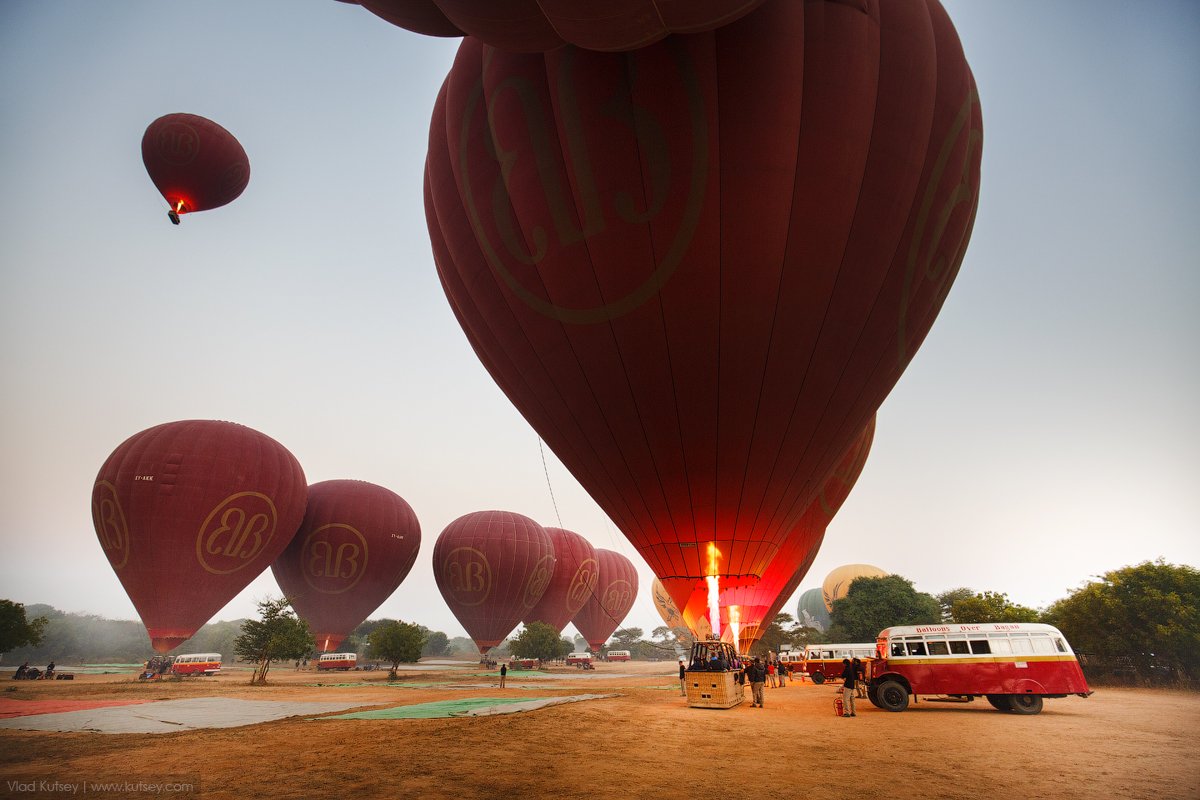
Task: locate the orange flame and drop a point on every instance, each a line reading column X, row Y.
column 735, row 625
column 714, row 588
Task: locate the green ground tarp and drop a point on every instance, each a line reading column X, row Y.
column 469, row 707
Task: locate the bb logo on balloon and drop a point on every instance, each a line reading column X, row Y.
column 467, row 575
column 618, row 597
column 539, row 579
column 109, row 519
column 334, row 558
column 177, row 143
column 236, row 532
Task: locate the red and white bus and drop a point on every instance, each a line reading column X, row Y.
column 618, row 655
column 341, row 661
column 1014, row 665
column 823, row 662
column 196, row 664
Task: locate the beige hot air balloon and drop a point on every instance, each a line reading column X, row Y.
column 837, row 582
column 665, row 605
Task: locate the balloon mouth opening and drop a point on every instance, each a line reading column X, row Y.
column 165, row 644
column 329, row 642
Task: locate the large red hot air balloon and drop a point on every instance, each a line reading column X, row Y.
column 189, row 513
column 535, row 26
column 698, row 268
column 356, row 544
column 572, row 582
column 754, row 607
column 492, row 567
column 615, row 592
column 195, row 163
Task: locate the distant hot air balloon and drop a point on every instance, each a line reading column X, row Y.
column 697, row 268
column 572, row 582
column 356, row 544
column 752, row 608
column 189, row 513
column 837, row 582
column 194, row 162
column 811, row 610
column 540, row 25
column 615, row 592
column 492, row 568
column 665, row 605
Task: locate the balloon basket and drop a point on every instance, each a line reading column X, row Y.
column 714, row 689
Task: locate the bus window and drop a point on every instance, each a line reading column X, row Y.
column 916, row 648
column 1042, row 644
column 1000, row 644
column 897, row 648
column 1062, row 648
column 980, row 646
column 959, row 647
column 1021, row 646
column 937, row 646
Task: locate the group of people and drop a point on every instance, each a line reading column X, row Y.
column 28, row 673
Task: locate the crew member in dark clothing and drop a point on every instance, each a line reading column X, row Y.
column 848, row 681
column 682, row 679
column 758, row 678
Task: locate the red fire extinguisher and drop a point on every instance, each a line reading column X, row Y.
column 838, row 706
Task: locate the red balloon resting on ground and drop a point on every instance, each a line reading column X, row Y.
column 572, row 582
column 356, row 544
column 535, row 26
column 189, row 513
column 492, row 568
column 196, row 164
column 698, row 268
column 615, row 592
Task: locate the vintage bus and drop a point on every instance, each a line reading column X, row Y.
column 1014, row 665
column 196, row 664
column 618, row 655
column 823, row 662
column 342, row 661
column 581, row 659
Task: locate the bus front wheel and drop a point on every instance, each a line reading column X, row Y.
column 892, row 696
column 1000, row 702
column 873, row 695
column 1025, row 703
column 818, row 678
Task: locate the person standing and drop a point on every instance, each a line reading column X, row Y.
column 860, row 677
column 503, row 674
column 848, row 682
column 781, row 669
column 771, row 674
column 758, row 677
column 682, row 679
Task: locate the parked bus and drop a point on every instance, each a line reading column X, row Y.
column 618, row 655
column 196, row 664
column 1014, row 665
column 582, row 659
column 342, row 661
column 823, row 662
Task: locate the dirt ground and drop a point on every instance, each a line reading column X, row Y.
column 1126, row 743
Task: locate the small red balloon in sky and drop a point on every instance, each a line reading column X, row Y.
column 195, row 163
column 572, row 582
column 492, row 568
column 615, row 592
column 356, row 544
column 190, row 512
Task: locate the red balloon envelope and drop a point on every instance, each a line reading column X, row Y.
column 492, row 567
column 698, row 268
column 356, row 544
column 189, row 513
column 539, row 25
column 572, row 582
column 195, row 163
column 754, row 607
column 615, row 592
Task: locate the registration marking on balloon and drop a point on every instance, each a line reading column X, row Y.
column 333, row 558
column 235, row 532
column 539, row 579
column 573, row 224
column 110, row 523
column 467, row 575
column 583, row 584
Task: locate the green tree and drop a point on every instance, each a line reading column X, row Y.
column 17, row 631
column 539, row 640
column 948, row 598
column 990, row 607
column 625, row 639
column 278, row 635
column 1146, row 615
column 397, row 642
column 782, row 630
column 872, row 604
column 437, row 645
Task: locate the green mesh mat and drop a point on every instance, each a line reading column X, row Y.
column 467, row 707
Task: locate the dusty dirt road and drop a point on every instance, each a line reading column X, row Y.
column 646, row 743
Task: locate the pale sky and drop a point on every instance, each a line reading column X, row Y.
column 1045, row 433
